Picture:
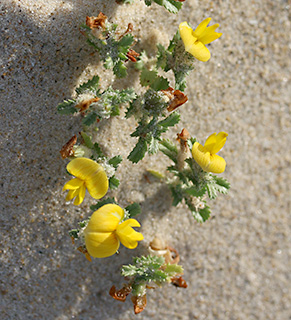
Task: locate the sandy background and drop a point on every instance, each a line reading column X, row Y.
column 237, row 265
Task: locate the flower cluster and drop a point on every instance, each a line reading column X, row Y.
column 156, row 109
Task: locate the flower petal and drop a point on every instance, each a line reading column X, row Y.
column 199, row 51
column 215, row 142
column 105, row 219
column 97, row 184
column 73, row 184
column 92, row 173
column 128, row 236
column 210, row 35
column 217, row 164
column 101, row 244
column 80, row 196
column 186, row 34
column 71, row 194
column 201, row 155
column 201, row 28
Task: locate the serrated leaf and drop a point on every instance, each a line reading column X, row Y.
column 133, row 209
column 100, row 204
column 113, row 183
column 89, row 85
column 205, row 213
column 115, row 161
column 98, row 150
column 108, row 63
column 127, row 95
column 67, row 107
column 89, row 119
column 174, row 41
column 172, row 269
column 170, row 121
column 138, row 151
column 160, row 83
column 153, row 146
column 177, row 194
column 87, row 140
column 120, row 70
column 171, row 5
column 161, row 57
column 126, row 41
column 147, row 77
column 222, row 185
column 195, row 192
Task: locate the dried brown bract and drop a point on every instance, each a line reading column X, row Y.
column 131, row 55
column 179, row 282
column 96, row 22
column 128, row 30
column 139, row 303
column 83, row 250
column 121, row 294
column 84, row 105
column 67, row 149
column 183, row 137
column 177, row 98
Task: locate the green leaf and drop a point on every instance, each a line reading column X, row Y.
column 205, row 213
column 67, row 107
column 74, row 233
column 174, row 41
column 147, row 77
column 170, row 121
column 108, row 63
column 169, row 150
column 172, row 269
column 133, row 209
column 113, row 183
column 92, row 84
column 222, row 185
column 98, row 150
column 160, row 83
column 171, row 5
column 153, row 146
column 138, row 151
column 177, row 194
column 120, row 70
column 100, row 204
column 89, row 119
column 87, row 140
column 126, row 41
column 115, row 161
column 127, row 95
column 161, row 57
column 195, row 192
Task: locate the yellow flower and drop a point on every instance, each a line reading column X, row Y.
column 89, row 175
column 104, row 232
column 195, row 41
column 206, row 155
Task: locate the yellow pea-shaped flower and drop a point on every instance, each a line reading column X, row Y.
column 206, row 155
column 88, row 175
column 104, row 232
column 195, row 41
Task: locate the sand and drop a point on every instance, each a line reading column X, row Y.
column 237, row 264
